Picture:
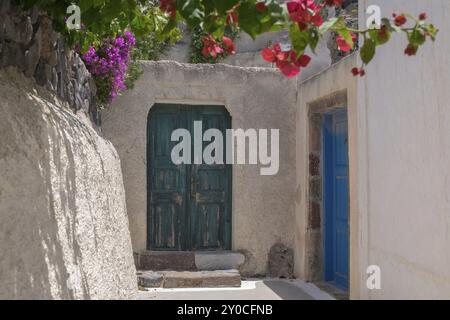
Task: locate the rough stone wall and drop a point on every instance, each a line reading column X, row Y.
column 63, row 220
column 28, row 42
column 263, row 206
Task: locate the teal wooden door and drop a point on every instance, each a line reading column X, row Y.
column 210, row 205
column 189, row 205
column 166, row 182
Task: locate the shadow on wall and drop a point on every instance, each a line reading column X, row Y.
column 63, row 225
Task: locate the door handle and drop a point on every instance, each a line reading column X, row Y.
column 194, row 185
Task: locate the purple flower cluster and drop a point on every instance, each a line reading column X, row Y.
column 109, row 62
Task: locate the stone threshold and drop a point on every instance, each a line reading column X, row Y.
column 189, row 279
column 189, row 261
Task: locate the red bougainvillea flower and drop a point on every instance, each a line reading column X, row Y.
column 304, row 12
column 423, row 16
column 358, row 72
column 411, row 50
column 383, row 33
column 273, row 54
column 343, row 45
column 332, row 3
column 261, row 6
column 230, row 47
column 211, row 47
column 232, row 18
column 168, row 6
column 287, row 61
column 400, row 20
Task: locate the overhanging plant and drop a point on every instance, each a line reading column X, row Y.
column 113, row 36
column 306, row 22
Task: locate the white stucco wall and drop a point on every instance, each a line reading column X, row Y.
column 407, row 209
column 263, row 206
column 399, row 136
column 320, row 91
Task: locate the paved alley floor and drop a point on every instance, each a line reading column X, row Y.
column 249, row 290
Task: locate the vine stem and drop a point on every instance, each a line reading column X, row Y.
column 368, row 30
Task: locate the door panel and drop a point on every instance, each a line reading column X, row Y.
column 166, row 182
column 336, row 198
column 210, row 190
column 189, row 206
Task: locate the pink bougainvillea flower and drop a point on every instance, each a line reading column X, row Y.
column 288, row 69
column 261, row 6
column 211, row 47
column 332, row 3
column 317, row 20
column 230, row 47
column 287, row 61
column 358, row 72
column 304, row 12
column 303, row 61
column 232, row 18
column 411, row 50
column 168, row 6
column 343, row 45
column 400, row 20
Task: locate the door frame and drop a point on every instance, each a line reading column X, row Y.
column 186, row 238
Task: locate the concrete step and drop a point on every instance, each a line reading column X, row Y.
column 189, row 279
column 189, row 261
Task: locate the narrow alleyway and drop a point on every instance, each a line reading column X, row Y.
column 250, row 290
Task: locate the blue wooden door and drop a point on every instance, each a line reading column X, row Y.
column 189, row 205
column 336, row 198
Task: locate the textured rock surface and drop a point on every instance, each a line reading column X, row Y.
column 150, row 279
column 63, row 221
column 281, row 262
column 28, row 42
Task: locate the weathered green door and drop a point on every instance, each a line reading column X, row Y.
column 189, row 205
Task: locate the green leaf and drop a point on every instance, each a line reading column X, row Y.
column 314, row 38
column 191, row 10
column 417, row 37
column 224, row 5
column 248, row 19
column 347, row 35
column 432, row 31
column 327, row 25
column 367, row 51
column 380, row 38
column 299, row 39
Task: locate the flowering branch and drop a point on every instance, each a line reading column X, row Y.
column 306, row 24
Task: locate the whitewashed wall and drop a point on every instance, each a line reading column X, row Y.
column 406, row 211
column 263, row 206
column 399, row 127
